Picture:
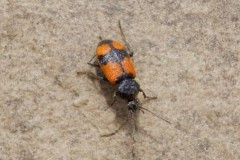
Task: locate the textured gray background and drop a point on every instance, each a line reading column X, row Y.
column 187, row 54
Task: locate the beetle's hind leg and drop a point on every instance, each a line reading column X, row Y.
column 93, row 64
column 90, row 74
column 125, row 41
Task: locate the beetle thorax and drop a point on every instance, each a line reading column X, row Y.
column 128, row 89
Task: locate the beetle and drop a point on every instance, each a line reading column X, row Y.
column 115, row 61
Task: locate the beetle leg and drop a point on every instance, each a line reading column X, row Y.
column 125, row 41
column 114, row 98
column 93, row 64
column 92, row 75
column 113, row 101
column 144, row 95
column 97, row 77
column 100, row 38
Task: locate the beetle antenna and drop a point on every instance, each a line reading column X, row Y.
column 141, row 108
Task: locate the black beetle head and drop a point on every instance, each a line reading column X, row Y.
column 133, row 105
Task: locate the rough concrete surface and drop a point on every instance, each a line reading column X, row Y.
column 187, row 53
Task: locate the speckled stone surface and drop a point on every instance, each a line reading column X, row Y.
column 187, row 54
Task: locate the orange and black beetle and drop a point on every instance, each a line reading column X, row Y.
column 118, row 69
